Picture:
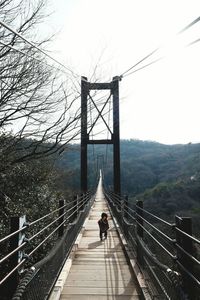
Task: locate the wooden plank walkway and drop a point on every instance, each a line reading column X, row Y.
column 99, row 270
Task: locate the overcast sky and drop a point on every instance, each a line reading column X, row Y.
column 159, row 103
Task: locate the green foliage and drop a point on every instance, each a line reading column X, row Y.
column 32, row 188
column 144, row 164
column 166, row 177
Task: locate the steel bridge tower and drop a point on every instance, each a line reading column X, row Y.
column 86, row 87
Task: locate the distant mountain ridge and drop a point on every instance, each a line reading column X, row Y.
column 143, row 163
column 166, row 177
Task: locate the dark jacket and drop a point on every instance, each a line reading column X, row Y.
column 103, row 225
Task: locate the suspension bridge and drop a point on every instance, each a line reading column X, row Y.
column 144, row 256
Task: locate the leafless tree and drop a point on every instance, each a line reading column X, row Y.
column 39, row 114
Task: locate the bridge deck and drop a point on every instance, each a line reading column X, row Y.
column 99, row 270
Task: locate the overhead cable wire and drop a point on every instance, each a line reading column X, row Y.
column 145, row 66
column 159, row 59
column 156, row 49
column 21, row 52
column 139, row 62
column 189, row 25
column 36, row 47
column 31, row 56
column 193, row 42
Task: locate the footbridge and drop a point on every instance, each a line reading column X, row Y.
column 60, row 256
column 97, row 269
column 144, row 256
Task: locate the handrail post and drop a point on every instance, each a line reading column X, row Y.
column 75, row 207
column 61, row 219
column 125, row 216
column 139, row 206
column 71, row 210
column 122, row 213
column 78, row 204
column 122, row 208
column 81, row 208
column 139, row 229
column 16, row 223
column 118, row 204
column 185, row 224
column 126, row 207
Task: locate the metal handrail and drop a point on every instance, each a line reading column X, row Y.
column 157, row 230
column 139, row 222
column 84, row 200
column 157, row 242
column 154, row 216
column 188, row 236
column 7, row 237
column 188, row 254
column 37, row 220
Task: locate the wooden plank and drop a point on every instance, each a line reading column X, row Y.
column 109, row 282
column 79, row 275
column 100, row 297
column 80, row 267
column 100, row 270
column 100, row 290
column 83, row 254
column 97, row 263
column 92, row 233
column 101, row 250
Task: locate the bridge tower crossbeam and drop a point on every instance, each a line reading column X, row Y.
column 86, row 87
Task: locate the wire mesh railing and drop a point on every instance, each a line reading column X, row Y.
column 25, row 274
column 167, row 253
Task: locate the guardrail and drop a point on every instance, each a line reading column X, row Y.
column 167, row 253
column 21, row 276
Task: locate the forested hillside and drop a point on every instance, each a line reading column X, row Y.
column 143, row 164
column 166, row 177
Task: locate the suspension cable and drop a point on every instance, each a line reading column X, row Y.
column 156, row 50
column 139, row 62
column 145, row 66
column 189, row 25
column 36, row 47
column 32, row 57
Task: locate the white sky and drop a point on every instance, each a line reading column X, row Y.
column 160, row 103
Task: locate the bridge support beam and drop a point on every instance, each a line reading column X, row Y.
column 84, row 94
column 113, row 86
column 116, row 140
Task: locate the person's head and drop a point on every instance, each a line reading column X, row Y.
column 104, row 216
